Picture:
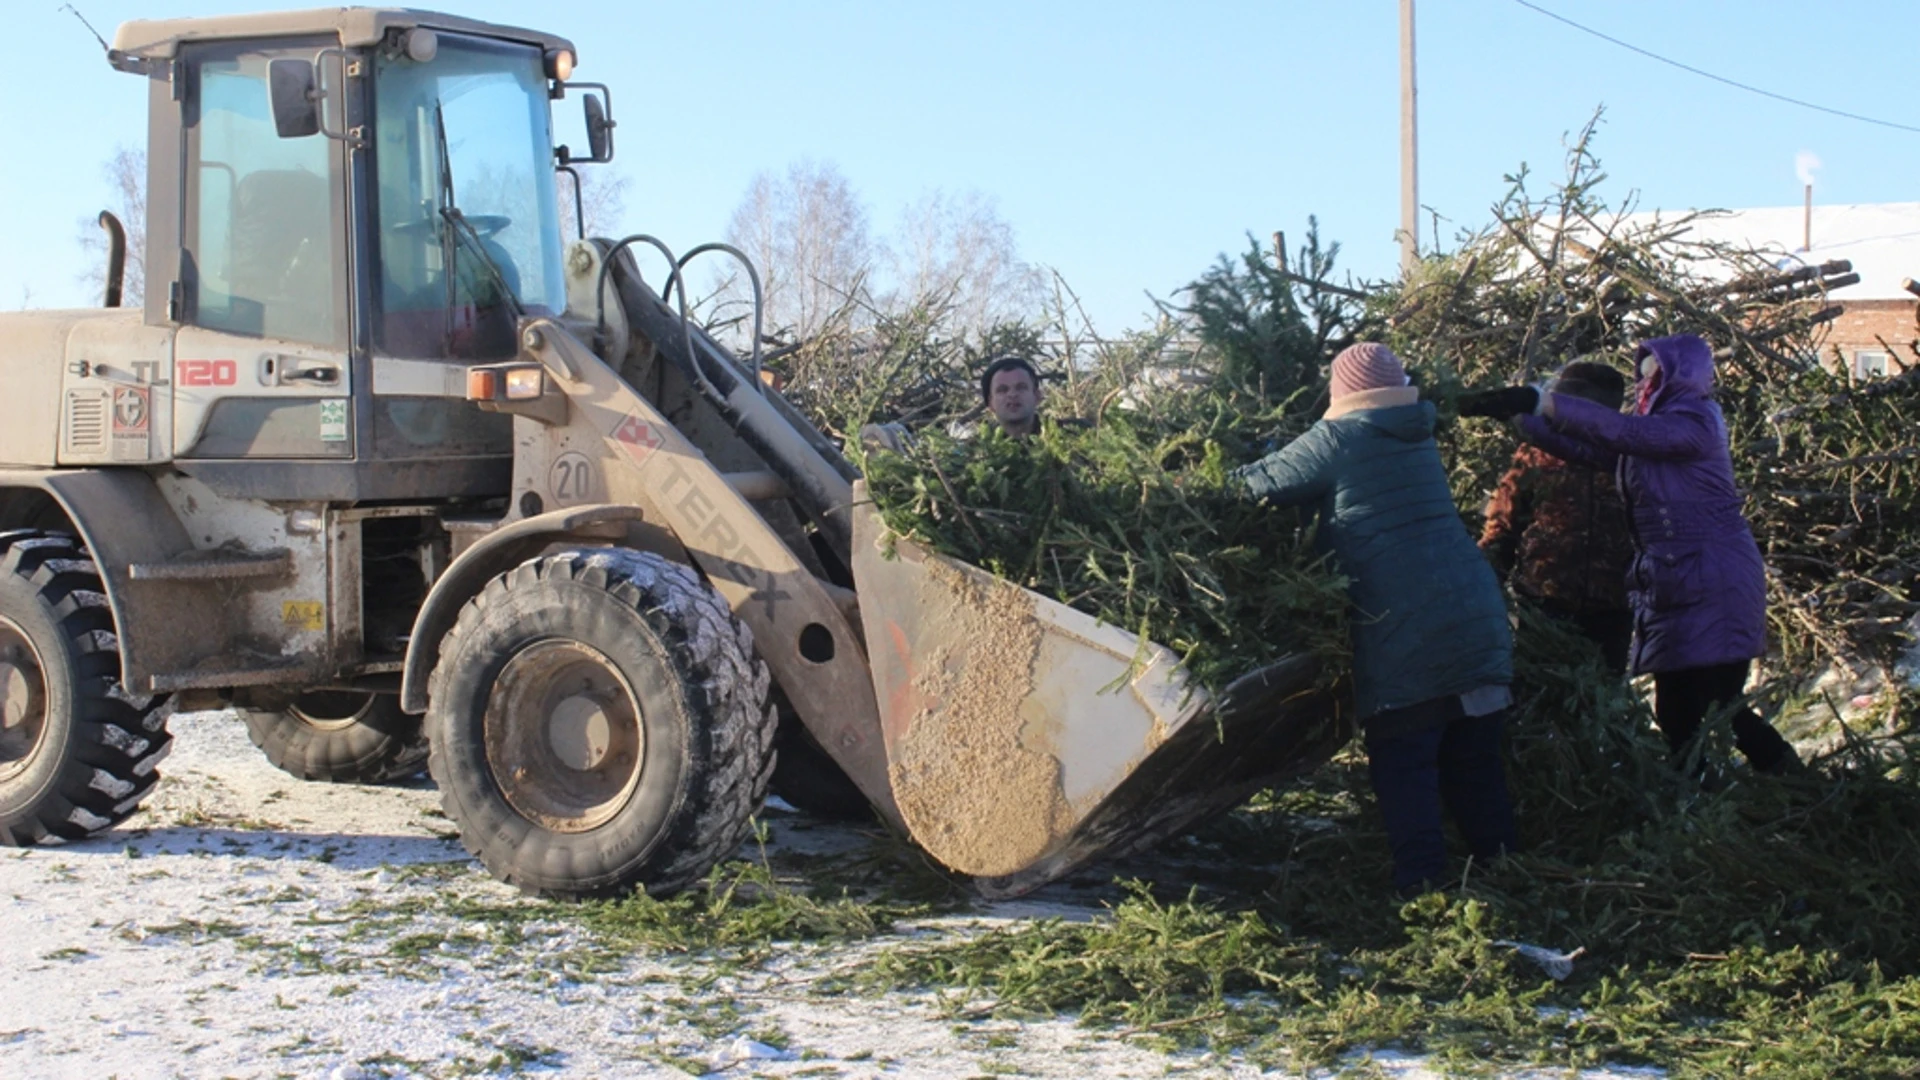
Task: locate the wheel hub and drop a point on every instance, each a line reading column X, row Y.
column 564, row 736
column 581, row 732
column 23, row 700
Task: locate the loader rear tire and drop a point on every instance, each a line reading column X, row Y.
column 340, row 736
column 77, row 752
column 598, row 720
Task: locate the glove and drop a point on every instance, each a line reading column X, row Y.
column 1501, row 404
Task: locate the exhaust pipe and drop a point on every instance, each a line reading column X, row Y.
column 116, row 256
column 1806, row 223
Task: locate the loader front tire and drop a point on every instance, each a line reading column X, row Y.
column 77, row 753
column 598, row 721
column 340, row 736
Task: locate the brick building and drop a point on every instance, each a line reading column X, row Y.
column 1873, row 337
column 1879, row 332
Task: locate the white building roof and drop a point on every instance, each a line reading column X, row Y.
column 1881, row 240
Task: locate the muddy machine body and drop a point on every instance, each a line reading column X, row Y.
column 384, row 460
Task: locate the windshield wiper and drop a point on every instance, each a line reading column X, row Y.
column 459, row 228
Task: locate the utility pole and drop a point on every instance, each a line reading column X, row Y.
column 1409, row 146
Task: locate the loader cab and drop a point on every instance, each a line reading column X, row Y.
column 345, row 207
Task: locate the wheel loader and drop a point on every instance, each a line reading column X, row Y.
column 383, row 460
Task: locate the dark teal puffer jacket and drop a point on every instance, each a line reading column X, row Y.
column 1429, row 619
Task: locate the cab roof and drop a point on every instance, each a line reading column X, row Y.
column 354, row 27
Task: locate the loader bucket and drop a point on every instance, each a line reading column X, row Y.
column 1024, row 738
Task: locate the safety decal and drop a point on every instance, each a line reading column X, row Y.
column 304, row 615
column 333, row 419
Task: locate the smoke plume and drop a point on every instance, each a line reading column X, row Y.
column 1804, row 163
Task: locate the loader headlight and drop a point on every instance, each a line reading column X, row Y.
column 560, row 64
column 524, row 383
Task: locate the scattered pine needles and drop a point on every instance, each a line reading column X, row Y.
column 1766, row 928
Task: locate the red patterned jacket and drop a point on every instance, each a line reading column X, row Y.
column 1558, row 532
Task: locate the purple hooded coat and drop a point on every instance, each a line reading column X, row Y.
column 1697, row 585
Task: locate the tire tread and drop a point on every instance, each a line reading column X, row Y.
column 117, row 737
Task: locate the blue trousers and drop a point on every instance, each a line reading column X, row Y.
column 1442, row 758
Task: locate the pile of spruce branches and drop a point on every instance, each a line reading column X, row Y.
column 1830, row 468
column 1134, row 519
column 1123, row 509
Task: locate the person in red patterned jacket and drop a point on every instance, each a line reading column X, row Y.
column 1557, row 531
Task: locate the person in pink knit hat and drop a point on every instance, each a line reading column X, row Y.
column 1371, row 369
column 1432, row 652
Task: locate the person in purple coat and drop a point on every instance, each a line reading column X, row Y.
column 1696, row 584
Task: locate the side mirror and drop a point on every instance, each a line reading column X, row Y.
column 599, row 128
column 296, row 107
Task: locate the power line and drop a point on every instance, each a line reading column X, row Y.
column 1710, row 75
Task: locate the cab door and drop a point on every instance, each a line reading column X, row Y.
column 260, row 366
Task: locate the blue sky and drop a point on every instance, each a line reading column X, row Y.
column 1127, row 144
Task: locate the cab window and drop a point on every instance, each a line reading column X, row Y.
column 262, row 234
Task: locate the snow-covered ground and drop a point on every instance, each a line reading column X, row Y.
column 246, row 924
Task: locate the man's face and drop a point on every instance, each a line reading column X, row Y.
column 1012, row 398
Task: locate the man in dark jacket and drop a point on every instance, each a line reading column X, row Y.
column 1697, row 584
column 1010, row 390
column 1558, row 530
column 1432, row 653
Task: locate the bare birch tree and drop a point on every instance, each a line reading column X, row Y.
column 960, row 247
column 806, row 232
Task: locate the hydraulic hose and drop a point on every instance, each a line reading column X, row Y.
column 814, row 470
column 753, row 278
column 673, row 276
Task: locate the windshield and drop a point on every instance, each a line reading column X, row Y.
column 465, row 180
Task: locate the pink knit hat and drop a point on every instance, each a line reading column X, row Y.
column 1366, row 366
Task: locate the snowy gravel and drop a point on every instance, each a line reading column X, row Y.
column 247, row 925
